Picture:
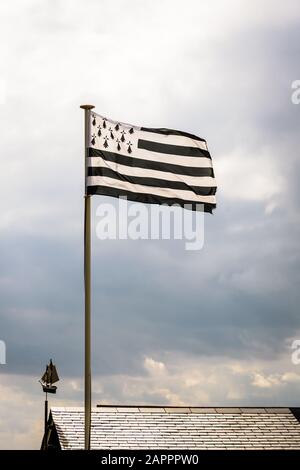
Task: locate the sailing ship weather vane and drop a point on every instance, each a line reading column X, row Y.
column 49, row 377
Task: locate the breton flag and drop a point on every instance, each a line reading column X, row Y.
column 156, row 166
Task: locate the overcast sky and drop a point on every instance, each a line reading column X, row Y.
column 212, row 327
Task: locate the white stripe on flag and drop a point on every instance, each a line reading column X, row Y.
column 138, row 188
column 176, row 139
column 195, row 162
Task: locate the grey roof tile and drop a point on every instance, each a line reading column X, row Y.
column 203, row 410
column 251, row 410
column 177, row 410
column 129, row 409
column 228, row 410
column 278, row 410
column 151, row 409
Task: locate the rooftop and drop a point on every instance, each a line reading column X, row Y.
column 176, row 427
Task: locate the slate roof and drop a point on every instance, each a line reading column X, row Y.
column 153, row 427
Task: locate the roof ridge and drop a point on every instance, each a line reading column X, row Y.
column 193, row 406
column 182, row 408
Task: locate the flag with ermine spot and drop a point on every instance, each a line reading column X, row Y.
column 149, row 165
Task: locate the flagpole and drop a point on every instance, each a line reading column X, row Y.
column 87, row 291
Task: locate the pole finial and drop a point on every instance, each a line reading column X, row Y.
column 87, row 106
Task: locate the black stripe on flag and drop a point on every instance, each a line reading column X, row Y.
column 150, row 165
column 172, row 149
column 149, row 198
column 164, row 131
column 155, row 182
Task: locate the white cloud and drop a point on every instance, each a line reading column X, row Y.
column 154, row 367
column 291, row 377
column 261, row 381
column 251, row 176
column 192, row 380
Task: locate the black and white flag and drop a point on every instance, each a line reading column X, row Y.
column 156, row 166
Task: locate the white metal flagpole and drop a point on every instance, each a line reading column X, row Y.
column 87, row 291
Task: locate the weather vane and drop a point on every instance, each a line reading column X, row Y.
column 49, row 377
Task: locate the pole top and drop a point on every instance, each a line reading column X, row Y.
column 87, row 106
